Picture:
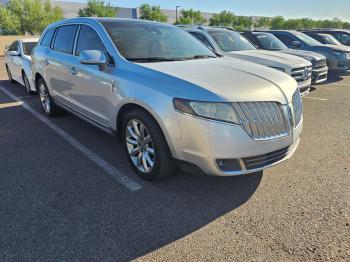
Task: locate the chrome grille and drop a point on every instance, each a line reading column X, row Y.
column 320, row 63
column 262, row 120
column 302, row 74
column 265, row 159
column 297, row 108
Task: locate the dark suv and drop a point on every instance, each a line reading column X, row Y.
column 267, row 41
column 342, row 35
column 338, row 56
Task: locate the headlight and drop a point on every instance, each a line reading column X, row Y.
column 216, row 111
column 278, row 68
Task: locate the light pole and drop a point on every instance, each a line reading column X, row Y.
column 176, row 11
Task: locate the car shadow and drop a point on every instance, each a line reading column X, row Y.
column 77, row 212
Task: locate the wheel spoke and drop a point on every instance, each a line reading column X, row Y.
column 144, row 163
column 150, row 150
column 135, row 151
column 148, row 159
column 132, row 133
column 136, row 128
column 132, row 140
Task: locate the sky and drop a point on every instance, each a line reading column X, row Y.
column 317, row 9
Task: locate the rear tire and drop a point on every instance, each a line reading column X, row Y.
column 146, row 146
column 47, row 103
column 9, row 74
column 26, row 84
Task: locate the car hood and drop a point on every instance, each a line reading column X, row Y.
column 270, row 58
column 230, row 79
column 304, row 54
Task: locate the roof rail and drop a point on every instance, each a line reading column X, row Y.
column 224, row 27
column 191, row 26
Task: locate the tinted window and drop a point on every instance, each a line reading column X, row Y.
column 201, row 38
column 285, row 39
column 13, row 46
column 270, row 42
column 28, row 47
column 88, row 39
column 229, row 40
column 64, row 39
column 47, row 38
column 141, row 41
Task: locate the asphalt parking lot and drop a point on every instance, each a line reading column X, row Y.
column 67, row 193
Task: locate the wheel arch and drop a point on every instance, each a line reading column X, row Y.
column 128, row 106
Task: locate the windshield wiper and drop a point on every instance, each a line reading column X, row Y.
column 151, row 59
column 197, row 57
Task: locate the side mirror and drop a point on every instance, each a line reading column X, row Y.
column 13, row 53
column 93, row 57
column 296, row 44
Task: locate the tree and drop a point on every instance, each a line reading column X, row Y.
column 191, row 17
column 241, row 23
column 10, row 24
column 98, row 8
column 262, row 22
column 278, row 22
column 152, row 13
column 224, row 18
column 28, row 16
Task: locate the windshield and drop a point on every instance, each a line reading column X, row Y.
column 307, row 39
column 329, row 39
column 28, row 47
column 229, row 41
column 270, row 42
column 155, row 42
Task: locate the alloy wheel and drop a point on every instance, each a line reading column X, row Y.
column 140, row 146
column 45, row 98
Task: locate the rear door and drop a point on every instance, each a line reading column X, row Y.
column 60, row 63
column 13, row 61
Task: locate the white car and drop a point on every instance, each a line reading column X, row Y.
column 230, row 43
column 18, row 62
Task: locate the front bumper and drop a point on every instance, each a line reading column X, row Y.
column 319, row 75
column 204, row 142
column 304, row 86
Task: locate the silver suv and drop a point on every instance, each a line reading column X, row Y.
column 171, row 98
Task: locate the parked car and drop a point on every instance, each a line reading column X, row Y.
column 342, row 35
column 230, row 43
column 18, row 62
column 168, row 95
column 267, row 41
column 325, row 39
column 338, row 56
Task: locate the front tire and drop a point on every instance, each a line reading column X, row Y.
column 47, row 103
column 146, row 146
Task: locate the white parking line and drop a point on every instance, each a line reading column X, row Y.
column 111, row 170
column 316, row 98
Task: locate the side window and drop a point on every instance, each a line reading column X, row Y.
column 13, row 46
column 46, row 41
column 88, row 39
column 344, row 38
column 202, row 38
column 64, row 39
column 287, row 40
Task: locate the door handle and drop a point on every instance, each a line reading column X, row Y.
column 73, row 71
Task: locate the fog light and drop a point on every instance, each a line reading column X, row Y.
column 227, row 165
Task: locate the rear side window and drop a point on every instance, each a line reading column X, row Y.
column 64, row 39
column 47, row 38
